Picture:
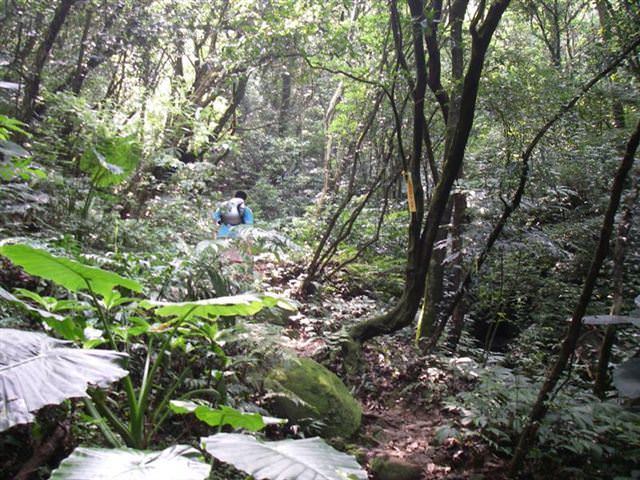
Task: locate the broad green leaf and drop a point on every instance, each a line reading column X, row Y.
column 610, row 320
column 179, row 462
column 115, row 299
column 72, row 275
column 68, row 328
column 46, row 314
column 626, row 378
column 111, row 161
column 37, row 370
column 48, row 303
column 11, row 149
column 224, row 415
column 138, row 327
column 9, row 85
column 8, row 124
column 247, row 304
column 307, row 459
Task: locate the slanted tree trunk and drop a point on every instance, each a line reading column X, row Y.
column 622, row 238
column 434, row 291
column 34, row 77
column 327, row 247
column 541, row 406
column 79, row 72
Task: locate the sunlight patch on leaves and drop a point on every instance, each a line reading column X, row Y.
column 247, row 304
column 72, row 275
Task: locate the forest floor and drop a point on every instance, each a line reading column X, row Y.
column 402, row 392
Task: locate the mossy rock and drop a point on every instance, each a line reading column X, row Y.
column 304, row 389
column 386, row 468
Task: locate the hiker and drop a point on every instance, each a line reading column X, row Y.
column 231, row 213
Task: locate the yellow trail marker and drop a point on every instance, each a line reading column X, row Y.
column 411, row 198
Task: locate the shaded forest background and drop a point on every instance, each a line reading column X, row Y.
column 445, row 191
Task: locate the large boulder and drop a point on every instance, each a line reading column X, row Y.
column 302, row 389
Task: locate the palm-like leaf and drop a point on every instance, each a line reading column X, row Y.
column 174, row 463
column 37, row 370
column 247, row 304
column 70, row 274
column 307, row 459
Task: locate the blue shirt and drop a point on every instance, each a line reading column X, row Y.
column 228, row 231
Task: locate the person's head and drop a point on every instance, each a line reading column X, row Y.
column 241, row 194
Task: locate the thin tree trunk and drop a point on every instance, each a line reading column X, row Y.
column 622, row 238
column 617, row 108
column 328, row 146
column 540, row 407
column 32, row 83
column 421, row 243
column 434, row 289
column 514, row 204
column 457, row 317
column 80, row 71
column 285, row 102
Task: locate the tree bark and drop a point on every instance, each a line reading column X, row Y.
column 540, row 407
column 617, row 108
column 513, row 205
column 459, row 310
column 434, row 292
column 285, row 102
column 32, row 83
column 622, row 238
column 421, row 242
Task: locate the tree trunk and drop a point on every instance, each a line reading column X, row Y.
column 328, row 146
column 434, row 289
column 622, row 238
column 80, row 72
column 617, row 108
column 421, row 241
column 32, row 83
column 285, row 102
column 435, row 278
column 540, row 407
column 459, row 310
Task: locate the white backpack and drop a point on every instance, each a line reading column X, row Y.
column 232, row 211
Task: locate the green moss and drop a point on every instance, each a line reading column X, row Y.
column 384, row 468
column 309, row 390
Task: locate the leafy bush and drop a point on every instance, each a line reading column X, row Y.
column 580, row 433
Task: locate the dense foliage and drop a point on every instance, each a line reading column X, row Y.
column 455, row 178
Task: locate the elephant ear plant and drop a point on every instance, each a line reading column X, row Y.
column 142, row 421
column 36, row 370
